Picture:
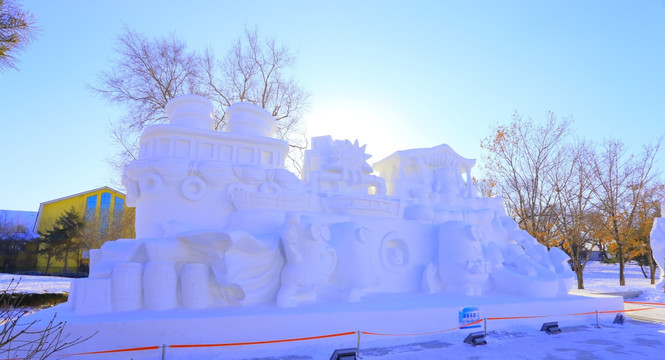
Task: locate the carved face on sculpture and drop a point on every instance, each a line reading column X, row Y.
column 319, row 232
column 394, row 253
column 347, row 156
column 396, row 256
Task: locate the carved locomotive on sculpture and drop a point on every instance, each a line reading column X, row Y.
column 220, row 221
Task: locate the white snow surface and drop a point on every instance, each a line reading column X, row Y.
column 29, row 284
column 633, row 340
column 601, row 277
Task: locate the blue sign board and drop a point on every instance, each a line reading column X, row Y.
column 469, row 315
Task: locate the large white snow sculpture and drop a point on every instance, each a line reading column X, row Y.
column 220, row 221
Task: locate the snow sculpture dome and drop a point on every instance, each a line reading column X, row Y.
column 190, row 111
column 249, row 119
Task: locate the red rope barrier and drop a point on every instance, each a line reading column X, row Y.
column 584, row 313
column 263, row 342
column 519, row 317
column 362, row 332
column 115, row 351
column 644, row 303
column 621, row 311
column 574, row 314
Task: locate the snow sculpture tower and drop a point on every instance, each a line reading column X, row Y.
column 184, row 168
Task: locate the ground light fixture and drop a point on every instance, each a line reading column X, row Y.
column 619, row 319
column 551, row 328
column 344, row 354
column 476, row 338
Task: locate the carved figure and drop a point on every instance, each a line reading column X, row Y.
column 462, row 266
column 309, row 260
column 355, row 273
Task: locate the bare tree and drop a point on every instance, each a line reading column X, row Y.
column 150, row 72
column 484, row 187
column 639, row 247
column 622, row 182
column 18, row 28
column 93, row 235
column 256, row 71
column 573, row 186
column 147, row 74
column 14, row 236
column 520, row 159
column 21, row 338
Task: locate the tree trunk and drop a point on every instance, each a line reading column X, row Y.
column 575, row 257
column 652, row 268
column 48, row 263
column 64, row 269
column 580, row 278
column 622, row 266
column 4, row 258
column 644, row 272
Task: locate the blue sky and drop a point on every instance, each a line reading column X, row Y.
column 394, row 75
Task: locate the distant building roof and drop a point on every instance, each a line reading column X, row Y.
column 11, row 219
column 82, row 193
column 41, row 206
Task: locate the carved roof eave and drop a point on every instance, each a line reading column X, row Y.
column 463, row 164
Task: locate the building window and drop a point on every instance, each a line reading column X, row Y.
column 90, row 208
column 104, row 212
column 118, row 208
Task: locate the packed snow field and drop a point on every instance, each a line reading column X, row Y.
column 634, row 340
column 29, row 284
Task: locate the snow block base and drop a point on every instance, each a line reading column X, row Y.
column 411, row 313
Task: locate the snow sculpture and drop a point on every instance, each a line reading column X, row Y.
column 461, row 263
column 127, row 286
column 220, row 222
column 657, row 239
column 352, row 244
column 309, row 260
column 195, row 282
column 159, row 288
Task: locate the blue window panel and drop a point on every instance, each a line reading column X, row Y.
column 104, row 212
column 90, row 208
column 106, row 201
column 118, row 208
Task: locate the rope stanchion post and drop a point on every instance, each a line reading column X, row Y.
column 485, row 325
column 597, row 324
column 358, row 344
column 163, row 351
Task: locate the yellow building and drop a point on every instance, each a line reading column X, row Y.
column 106, row 217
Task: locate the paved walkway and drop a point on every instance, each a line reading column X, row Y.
column 655, row 315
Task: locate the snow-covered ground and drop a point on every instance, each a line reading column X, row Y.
column 632, row 340
column 35, row 284
column 600, row 277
